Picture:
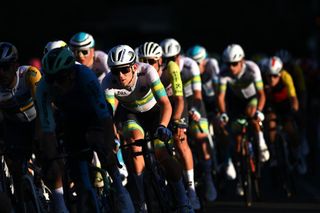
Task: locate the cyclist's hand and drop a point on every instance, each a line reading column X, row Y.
column 223, row 118
column 194, row 114
column 180, row 128
column 259, row 115
column 163, row 133
column 179, row 124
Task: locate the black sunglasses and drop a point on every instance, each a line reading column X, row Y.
column 123, row 70
column 233, row 64
column 148, row 60
column 84, row 52
column 273, row 75
column 5, row 65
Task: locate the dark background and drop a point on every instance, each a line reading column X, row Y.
column 258, row 26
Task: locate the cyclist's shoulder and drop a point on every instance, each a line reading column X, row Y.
column 100, row 55
column 30, row 74
column 172, row 66
column 252, row 66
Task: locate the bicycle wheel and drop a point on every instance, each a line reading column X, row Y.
column 284, row 166
column 157, row 190
column 30, row 202
column 246, row 176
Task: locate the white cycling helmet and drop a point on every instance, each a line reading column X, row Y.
column 170, row 47
column 82, row 40
column 54, row 44
column 121, row 56
column 233, row 53
column 197, row 52
column 274, row 65
column 150, row 50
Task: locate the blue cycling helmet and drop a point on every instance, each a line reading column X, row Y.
column 197, row 53
column 82, row 40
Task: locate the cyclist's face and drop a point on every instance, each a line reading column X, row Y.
column 235, row 67
column 273, row 80
column 157, row 64
column 63, row 82
column 7, row 74
column 124, row 75
column 84, row 56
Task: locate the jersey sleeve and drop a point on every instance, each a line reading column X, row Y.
column 44, row 107
column 287, row 80
column 196, row 78
column 156, row 85
column 33, row 76
column 257, row 76
column 175, row 78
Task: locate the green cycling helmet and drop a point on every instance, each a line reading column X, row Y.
column 57, row 59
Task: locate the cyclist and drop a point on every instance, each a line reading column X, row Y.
column 151, row 53
column 298, row 76
column 245, row 97
column 123, row 171
column 209, row 71
column 282, row 106
column 17, row 103
column 86, row 118
column 83, row 46
column 142, row 105
column 198, row 128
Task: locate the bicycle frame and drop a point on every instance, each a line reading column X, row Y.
column 248, row 159
column 153, row 173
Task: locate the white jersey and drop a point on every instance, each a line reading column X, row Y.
column 17, row 103
column 210, row 77
column 142, row 96
column 245, row 84
column 190, row 75
column 100, row 64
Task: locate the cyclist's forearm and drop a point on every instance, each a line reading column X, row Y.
column 294, row 103
column 261, row 100
column 178, row 109
column 221, row 103
column 165, row 111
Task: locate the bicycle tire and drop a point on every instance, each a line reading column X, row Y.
column 159, row 190
column 80, row 198
column 246, row 179
column 31, row 202
column 284, row 167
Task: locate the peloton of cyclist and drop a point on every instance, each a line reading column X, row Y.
column 141, row 105
column 281, row 108
column 83, row 46
column 151, row 53
column 198, row 125
column 86, row 117
column 244, row 97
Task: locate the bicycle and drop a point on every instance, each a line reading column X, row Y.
column 6, row 181
column 154, row 177
column 248, row 162
column 36, row 196
column 283, row 166
column 80, row 193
